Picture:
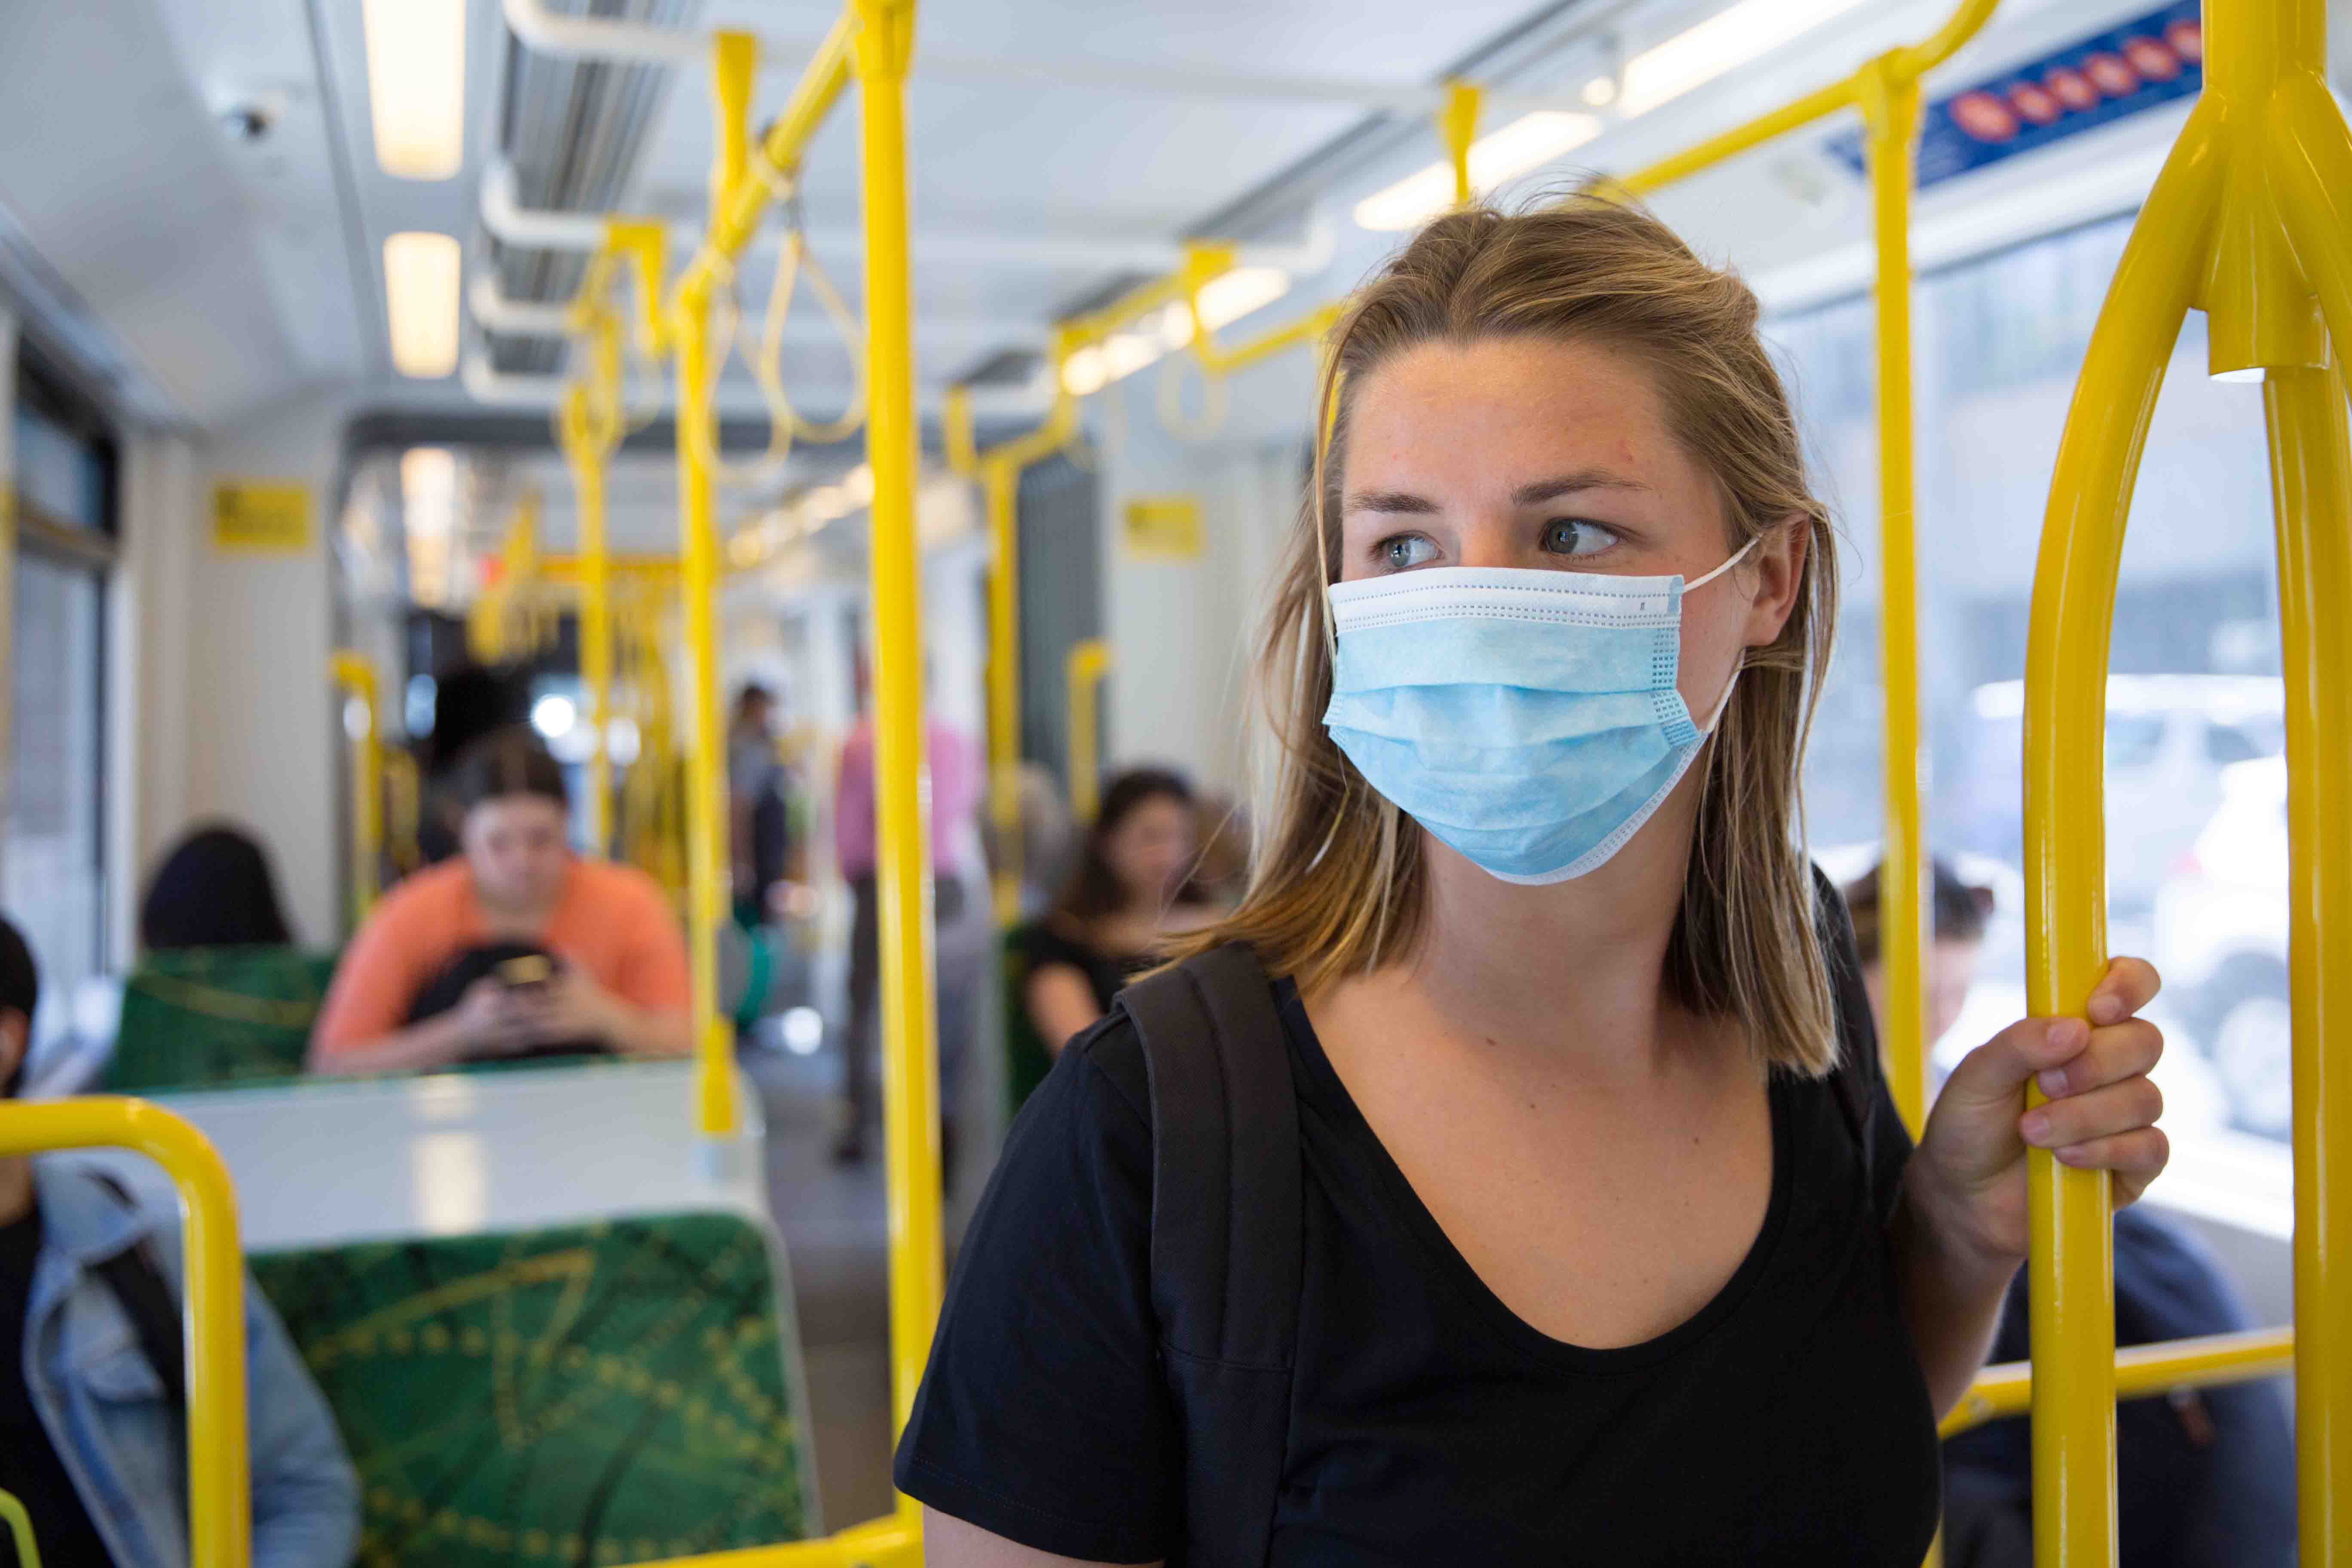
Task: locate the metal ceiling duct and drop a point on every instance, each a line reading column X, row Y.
column 573, row 130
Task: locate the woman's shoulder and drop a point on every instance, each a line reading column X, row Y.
column 1110, row 1078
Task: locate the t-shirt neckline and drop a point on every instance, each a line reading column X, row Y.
column 1321, row 1083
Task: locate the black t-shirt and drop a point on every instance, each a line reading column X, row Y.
column 1105, row 972
column 28, row 1462
column 1787, row 1422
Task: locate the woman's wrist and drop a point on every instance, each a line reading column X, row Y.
column 1942, row 1226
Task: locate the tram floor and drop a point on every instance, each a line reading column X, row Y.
column 831, row 1218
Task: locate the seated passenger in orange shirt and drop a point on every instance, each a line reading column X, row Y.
column 516, row 948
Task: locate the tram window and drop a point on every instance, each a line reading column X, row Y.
column 2134, row 740
column 51, row 864
column 2194, row 787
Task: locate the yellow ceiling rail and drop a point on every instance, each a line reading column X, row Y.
column 2210, row 1360
column 220, row 1520
column 355, row 675
column 2252, row 219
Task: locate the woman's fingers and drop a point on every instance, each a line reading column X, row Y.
column 2129, row 984
column 2085, row 1120
column 2138, row 1154
column 2116, row 1052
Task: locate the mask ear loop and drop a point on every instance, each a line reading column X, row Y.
column 1733, row 684
column 1737, row 557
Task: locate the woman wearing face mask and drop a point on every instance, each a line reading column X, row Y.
column 1129, row 893
column 1600, row 1240
column 517, row 947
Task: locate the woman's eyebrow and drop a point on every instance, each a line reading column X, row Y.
column 1390, row 501
column 1542, row 490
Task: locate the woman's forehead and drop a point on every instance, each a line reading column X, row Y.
column 1507, row 413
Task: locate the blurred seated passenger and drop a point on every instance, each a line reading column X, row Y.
column 518, row 947
column 1131, row 888
column 93, row 1378
column 213, row 889
column 2205, row 1478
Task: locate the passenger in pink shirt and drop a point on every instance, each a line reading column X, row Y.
column 954, row 765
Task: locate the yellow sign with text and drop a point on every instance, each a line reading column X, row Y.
column 1165, row 528
column 267, row 516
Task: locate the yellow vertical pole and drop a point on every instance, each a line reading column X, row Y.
column 2312, row 164
column 220, row 1519
column 591, row 420
column 1457, row 122
column 357, row 677
column 2311, row 476
column 1890, row 107
column 911, row 1092
column 2070, row 1270
column 734, row 60
column 1002, row 483
column 1088, row 661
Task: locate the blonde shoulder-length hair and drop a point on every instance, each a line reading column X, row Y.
column 1339, row 883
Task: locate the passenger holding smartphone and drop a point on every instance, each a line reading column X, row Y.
column 518, row 947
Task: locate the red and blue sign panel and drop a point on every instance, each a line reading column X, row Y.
column 2091, row 82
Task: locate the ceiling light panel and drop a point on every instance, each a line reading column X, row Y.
column 1527, row 143
column 420, row 291
column 1722, row 43
column 417, row 86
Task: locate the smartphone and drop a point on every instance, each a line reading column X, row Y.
column 527, row 972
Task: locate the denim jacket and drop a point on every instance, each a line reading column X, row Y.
column 120, row 1435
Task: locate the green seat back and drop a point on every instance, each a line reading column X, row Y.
column 608, row 1393
column 207, row 1016
column 1026, row 1060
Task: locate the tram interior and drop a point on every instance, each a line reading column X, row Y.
column 284, row 340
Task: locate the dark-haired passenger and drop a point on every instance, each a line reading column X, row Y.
column 213, row 889
column 1132, row 887
column 518, row 947
column 92, row 1371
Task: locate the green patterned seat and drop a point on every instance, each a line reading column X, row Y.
column 600, row 1394
column 205, row 1017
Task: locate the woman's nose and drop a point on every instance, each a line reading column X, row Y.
column 1491, row 542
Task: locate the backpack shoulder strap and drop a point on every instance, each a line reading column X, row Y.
column 136, row 1278
column 1227, row 1246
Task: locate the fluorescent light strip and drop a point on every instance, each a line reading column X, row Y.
column 1223, row 299
column 1722, row 43
column 420, row 291
column 417, row 86
column 1496, row 159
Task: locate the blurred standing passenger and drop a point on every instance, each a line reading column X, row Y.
column 213, row 889
column 2205, row 1478
column 1132, row 889
column 93, row 1386
column 758, row 811
column 431, row 979
column 954, row 798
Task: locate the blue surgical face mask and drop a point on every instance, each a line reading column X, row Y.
column 1528, row 719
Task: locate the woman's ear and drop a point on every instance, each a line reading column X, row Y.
column 1778, row 571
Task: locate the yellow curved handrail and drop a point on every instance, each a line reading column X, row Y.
column 2250, row 220
column 219, row 1513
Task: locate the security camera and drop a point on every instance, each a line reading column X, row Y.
column 248, row 122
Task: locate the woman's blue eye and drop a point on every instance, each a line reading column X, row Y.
column 1577, row 538
column 1405, row 551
